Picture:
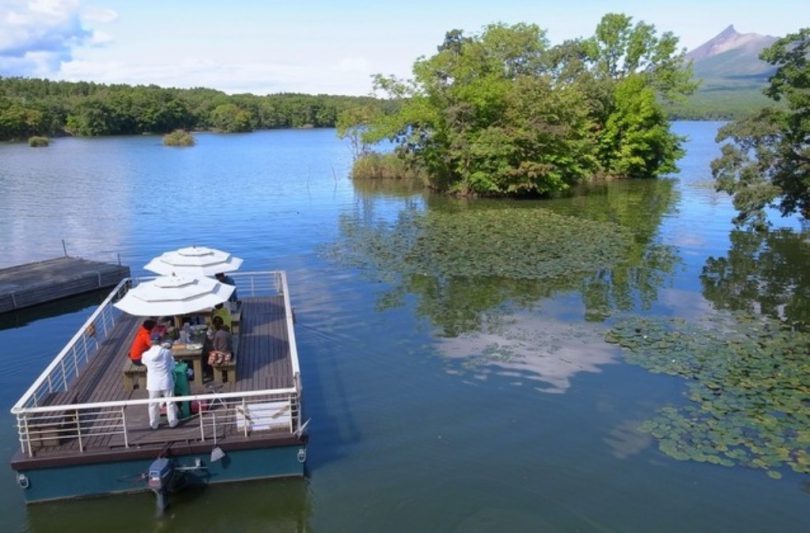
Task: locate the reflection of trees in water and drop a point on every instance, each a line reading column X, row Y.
column 765, row 273
column 456, row 303
column 282, row 505
column 387, row 188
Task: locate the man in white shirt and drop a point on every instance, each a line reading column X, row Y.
column 159, row 364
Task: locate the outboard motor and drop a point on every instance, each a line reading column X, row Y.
column 160, row 475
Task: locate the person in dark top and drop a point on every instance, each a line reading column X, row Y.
column 223, row 278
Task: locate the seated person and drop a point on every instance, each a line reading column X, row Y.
column 142, row 341
column 221, row 350
column 163, row 326
column 223, row 313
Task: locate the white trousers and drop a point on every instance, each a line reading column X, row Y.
column 154, row 408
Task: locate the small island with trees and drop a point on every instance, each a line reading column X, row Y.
column 504, row 112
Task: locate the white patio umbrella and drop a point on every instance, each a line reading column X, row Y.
column 194, row 261
column 174, row 295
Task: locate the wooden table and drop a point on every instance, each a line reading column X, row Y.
column 190, row 353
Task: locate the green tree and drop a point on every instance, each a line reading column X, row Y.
column 43, row 107
column 767, row 162
column 352, row 122
column 636, row 141
column 634, row 68
column 231, row 119
column 18, row 122
column 503, row 113
column 482, row 117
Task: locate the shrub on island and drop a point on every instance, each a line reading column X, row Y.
column 37, row 142
column 178, row 138
column 374, row 165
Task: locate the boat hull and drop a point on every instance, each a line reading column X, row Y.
column 118, row 476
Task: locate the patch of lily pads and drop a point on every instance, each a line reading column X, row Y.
column 748, row 386
column 515, row 243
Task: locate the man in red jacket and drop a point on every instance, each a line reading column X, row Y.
column 142, row 341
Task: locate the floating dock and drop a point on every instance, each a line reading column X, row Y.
column 44, row 281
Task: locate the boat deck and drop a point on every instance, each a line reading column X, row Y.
column 263, row 362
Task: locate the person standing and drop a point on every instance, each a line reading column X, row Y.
column 159, row 364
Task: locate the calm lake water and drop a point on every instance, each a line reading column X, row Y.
column 419, row 420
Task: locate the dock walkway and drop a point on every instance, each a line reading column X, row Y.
column 44, row 281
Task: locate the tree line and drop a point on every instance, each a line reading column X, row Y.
column 51, row 108
column 505, row 112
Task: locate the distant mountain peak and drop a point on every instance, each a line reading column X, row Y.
column 728, row 32
column 730, row 39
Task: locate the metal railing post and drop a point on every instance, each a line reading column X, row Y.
column 104, row 315
column 79, row 430
column 76, row 362
column 84, row 343
column 214, row 426
column 27, row 436
column 245, row 415
column 124, row 421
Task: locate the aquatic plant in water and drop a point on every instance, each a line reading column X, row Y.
column 519, row 243
column 748, row 386
column 461, row 263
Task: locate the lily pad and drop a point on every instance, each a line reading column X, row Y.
column 748, row 379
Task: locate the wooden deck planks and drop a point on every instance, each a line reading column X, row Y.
column 264, row 352
column 44, row 281
column 263, row 362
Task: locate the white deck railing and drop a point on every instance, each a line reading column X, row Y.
column 41, row 425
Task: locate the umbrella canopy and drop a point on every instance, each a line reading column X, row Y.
column 174, row 295
column 194, row 261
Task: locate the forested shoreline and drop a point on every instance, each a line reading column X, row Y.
column 53, row 108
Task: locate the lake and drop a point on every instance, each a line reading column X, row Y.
column 438, row 403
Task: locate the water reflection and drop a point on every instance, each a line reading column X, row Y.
column 23, row 317
column 274, row 505
column 388, row 188
column 762, row 273
column 626, row 439
column 530, row 346
column 494, row 323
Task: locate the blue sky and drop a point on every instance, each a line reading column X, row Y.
column 311, row 46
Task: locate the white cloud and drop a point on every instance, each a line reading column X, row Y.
column 100, row 38
column 53, row 8
column 99, row 14
column 37, row 37
column 352, row 64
